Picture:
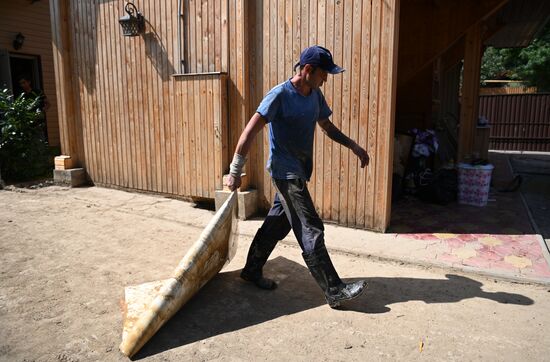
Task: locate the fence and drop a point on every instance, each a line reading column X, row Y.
column 507, row 90
column 518, row 121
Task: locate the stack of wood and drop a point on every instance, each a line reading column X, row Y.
column 63, row 162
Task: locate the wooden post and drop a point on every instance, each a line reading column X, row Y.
column 470, row 92
column 69, row 123
column 382, row 158
column 239, row 73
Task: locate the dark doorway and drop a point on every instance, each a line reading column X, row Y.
column 29, row 67
column 25, row 66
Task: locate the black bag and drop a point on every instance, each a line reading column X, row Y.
column 440, row 187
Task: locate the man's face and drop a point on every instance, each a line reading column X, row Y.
column 315, row 77
column 25, row 84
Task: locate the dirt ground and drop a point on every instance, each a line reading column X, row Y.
column 67, row 254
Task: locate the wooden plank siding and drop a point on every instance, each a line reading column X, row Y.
column 210, row 155
column 33, row 21
column 362, row 35
column 143, row 127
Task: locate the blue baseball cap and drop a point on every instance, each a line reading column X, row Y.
column 318, row 56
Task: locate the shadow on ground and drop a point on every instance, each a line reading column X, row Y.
column 228, row 304
column 535, row 172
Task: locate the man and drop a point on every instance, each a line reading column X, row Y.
column 34, row 93
column 42, row 103
column 291, row 110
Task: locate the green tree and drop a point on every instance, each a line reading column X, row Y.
column 530, row 64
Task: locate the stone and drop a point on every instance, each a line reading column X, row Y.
column 490, row 241
column 73, row 177
column 445, row 235
column 464, row 253
column 518, row 261
column 247, row 202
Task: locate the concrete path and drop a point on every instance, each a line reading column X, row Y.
column 513, row 257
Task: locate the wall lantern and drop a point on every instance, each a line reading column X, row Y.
column 133, row 23
column 18, row 41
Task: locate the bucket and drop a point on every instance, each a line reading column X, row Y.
column 474, row 183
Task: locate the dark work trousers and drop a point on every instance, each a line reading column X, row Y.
column 292, row 208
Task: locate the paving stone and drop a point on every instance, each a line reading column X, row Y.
column 464, row 252
column 518, row 261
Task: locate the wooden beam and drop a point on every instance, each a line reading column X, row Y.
column 239, row 70
column 391, row 36
column 453, row 55
column 69, row 122
column 429, row 29
column 470, row 91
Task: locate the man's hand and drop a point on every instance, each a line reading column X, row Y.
column 336, row 135
column 361, row 153
column 233, row 182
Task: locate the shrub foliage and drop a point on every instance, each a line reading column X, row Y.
column 24, row 152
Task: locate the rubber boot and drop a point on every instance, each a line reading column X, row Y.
column 322, row 270
column 257, row 257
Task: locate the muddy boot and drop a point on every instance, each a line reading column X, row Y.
column 257, row 257
column 322, row 270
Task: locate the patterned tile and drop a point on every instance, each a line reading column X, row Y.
column 519, row 262
column 501, row 265
column 489, row 254
column 498, row 236
column 445, row 235
column 541, row 269
column 490, row 241
column 464, row 252
column 449, row 258
column 478, row 262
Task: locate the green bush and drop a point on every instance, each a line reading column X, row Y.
column 529, row 64
column 24, row 152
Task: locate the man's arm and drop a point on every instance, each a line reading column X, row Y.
column 256, row 123
column 336, row 135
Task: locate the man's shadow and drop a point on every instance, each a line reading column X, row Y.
column 228, row 304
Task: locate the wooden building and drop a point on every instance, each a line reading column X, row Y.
column 33, row 58
column 162, row 111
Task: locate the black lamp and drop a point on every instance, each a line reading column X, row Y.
column 18, row 41
column 133, row 23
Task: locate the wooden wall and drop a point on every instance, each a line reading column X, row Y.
column 362, row 35
column 201, row 134
column 143, row 128
column 205, row 34
column 33, row 21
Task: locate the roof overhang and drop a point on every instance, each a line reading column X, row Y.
column 521, row 20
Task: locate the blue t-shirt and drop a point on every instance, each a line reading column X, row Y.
column 291, row 119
